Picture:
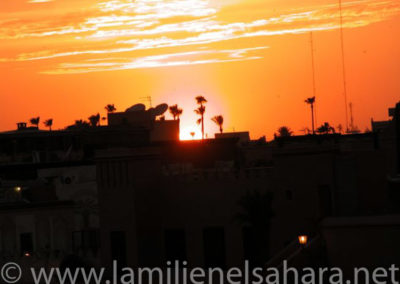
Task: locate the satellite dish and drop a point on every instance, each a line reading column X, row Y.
column 151, row 111
column 137, row 107
column 160, row 109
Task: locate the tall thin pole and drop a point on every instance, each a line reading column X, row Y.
column 312, row 118
column 148, row 99
column 351, row 117
column 343, row 64
column 313, row 72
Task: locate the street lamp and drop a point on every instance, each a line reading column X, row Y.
column 303, row 240
column 17, row 189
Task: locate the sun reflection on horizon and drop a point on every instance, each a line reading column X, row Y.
column 189, row 133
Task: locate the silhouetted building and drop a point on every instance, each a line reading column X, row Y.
column 192, row 191
column 160, row 130
column 244, row 137
column 47, row 212
column 162, row 199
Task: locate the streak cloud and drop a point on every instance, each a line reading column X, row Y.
column 157, row 33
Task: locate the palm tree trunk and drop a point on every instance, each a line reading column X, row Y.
column 220, row 129
column 202, row 126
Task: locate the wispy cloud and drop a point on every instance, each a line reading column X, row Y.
column 39, row 1
column 127, row 27
column 162, row 60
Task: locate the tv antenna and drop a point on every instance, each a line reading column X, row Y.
column 313, row 72
column 147, row 99
column 343, row 64
column 351, row 117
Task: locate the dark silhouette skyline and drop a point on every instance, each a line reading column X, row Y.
column 131, row 191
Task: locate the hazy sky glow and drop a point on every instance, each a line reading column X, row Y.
column 251, row 59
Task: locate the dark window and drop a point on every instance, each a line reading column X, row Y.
column 214, row 247
column 249, row 246
column 85, row 241
column 175, row 245
column 325, row 200
column 77, row 241
column 118, row 247
column 289, row 195
column 26, row 243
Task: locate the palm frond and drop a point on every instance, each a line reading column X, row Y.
column 200, row 100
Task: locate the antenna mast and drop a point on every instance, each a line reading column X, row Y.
column 313, row 72
column 351, row 117
column 147, row 99
column 343, row 64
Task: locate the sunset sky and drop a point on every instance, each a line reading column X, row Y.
column 251, row 59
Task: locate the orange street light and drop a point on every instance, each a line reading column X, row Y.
column 303, row 240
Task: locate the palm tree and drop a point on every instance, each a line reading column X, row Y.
column 48, row 123
column 110, row 108
column 284, row 131
column 200, row 111
column 35, row 121
column 219, row 120
column 326, row 128
column 311, row 102
column 94, row 120
column 80, row 124
column 192, row 134
column 175, row 111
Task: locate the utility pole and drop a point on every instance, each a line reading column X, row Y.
column 313, row 72
column 351, row 117
column 343, row 64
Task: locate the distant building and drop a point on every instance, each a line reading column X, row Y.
column 244, row 137
column 47, row 212
column 30, row 145
column 48, row 185
column 160, row 130
column 132, row 192
column 191, row 192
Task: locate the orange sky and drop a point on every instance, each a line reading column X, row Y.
column 67, row 59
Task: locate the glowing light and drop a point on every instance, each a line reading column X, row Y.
column 17, row 188
column 186, row 133
column 27, row 254
column 303, row 239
